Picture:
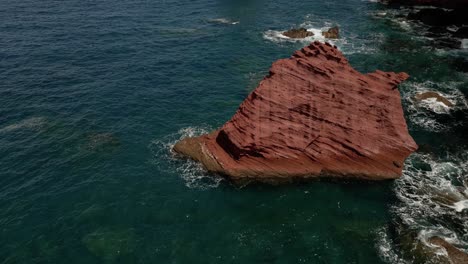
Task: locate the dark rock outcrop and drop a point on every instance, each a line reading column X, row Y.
column 440, row 17
column 332, row 33
column 313, row 115
column 438, row 3
column 447, row 25
column 298, row 33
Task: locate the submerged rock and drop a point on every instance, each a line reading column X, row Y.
column 433, row 95
column 110, row 245
column 32, row 123
column 313, row 115
column 101, row 141
column 298, row 33
column 332, row 33
column 455, row 255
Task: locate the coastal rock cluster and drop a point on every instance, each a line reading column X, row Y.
column 298, row 33
column 313, row 115
column 447, row 25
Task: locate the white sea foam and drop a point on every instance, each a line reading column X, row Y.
column 194, row 175
column 32, row 123
column 277, row 36
column 421, row 112
column 348, row 42
column 452, row 28
column 464, row 44
column 429, row 190
column 222, row 20
column 404, row 24
column 385, row 246
column 460, row 206
column 398, row 17
column 435, row 106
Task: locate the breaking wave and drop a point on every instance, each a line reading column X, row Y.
column 193, row 173
column 348, row 44
column 277, row 35
column 433, row 194
column 430, row 188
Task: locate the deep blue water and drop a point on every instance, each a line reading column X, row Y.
column 93, row 93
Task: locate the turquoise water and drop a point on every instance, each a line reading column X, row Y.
column 93, row 94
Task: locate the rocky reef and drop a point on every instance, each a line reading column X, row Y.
column 446, row 25
column 298, row 33
column 332, row 33
column 314, row 115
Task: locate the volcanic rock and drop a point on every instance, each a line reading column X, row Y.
column 332, row 33
column 433, row 95
column 313, row 115
column 298, row 33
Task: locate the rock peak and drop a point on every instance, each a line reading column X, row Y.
column 313, row 115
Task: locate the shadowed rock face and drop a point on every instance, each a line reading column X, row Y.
column 313, row 115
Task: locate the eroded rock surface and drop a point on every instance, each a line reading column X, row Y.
column 298, row 33
column 332, row 33
column 313, row 115
column 433, row 95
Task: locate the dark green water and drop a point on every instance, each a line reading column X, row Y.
column 93, row 93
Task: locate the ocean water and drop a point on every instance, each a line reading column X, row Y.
column 94, row 93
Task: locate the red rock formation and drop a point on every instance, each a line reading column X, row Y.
column 313, row 115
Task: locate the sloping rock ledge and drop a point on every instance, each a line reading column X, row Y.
column 313, row 115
